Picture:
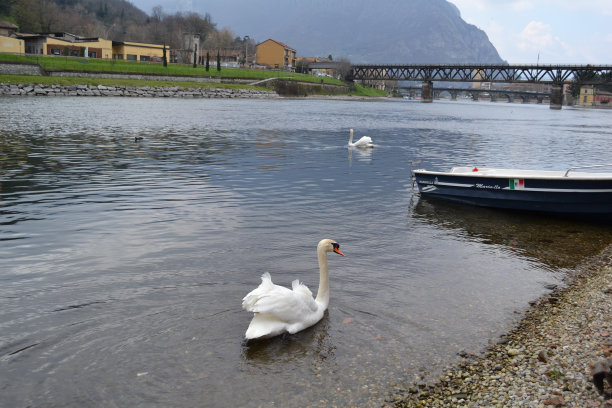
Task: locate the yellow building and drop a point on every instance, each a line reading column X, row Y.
column 275, row 54
column 12, row 45
column 586, row 95
column 131, row 51
column 70, row 45
column 67, row 44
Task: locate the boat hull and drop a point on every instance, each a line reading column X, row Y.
column 524, row 192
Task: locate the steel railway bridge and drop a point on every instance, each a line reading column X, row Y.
column 555, row 75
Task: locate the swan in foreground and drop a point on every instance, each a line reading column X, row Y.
column 278, row 309
column 365, row 141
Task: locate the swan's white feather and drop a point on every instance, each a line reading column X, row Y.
column 277, row 307
column 365, row 141
column 264, row 326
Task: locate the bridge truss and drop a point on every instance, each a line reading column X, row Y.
column 547, row 74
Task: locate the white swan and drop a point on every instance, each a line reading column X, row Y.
column 278, row 309
column 365, row 141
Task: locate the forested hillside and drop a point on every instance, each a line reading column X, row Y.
column 117, row 20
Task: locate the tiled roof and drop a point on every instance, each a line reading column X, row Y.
column 9, row 25
column 279, row 43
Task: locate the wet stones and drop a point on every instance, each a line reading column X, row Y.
column 558, row 355
column 150, row 92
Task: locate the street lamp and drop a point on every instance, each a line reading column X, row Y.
column 246, row 50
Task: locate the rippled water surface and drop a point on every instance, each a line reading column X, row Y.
column 123, row 263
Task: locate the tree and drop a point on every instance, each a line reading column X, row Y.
column 301, row 67
column 207, row 61
column 195, row 55
column 344, row 69
column 5, row 7
column 165, row 57
column 218, row 61
column 580, row 78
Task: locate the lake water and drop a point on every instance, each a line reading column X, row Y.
column 123, row 264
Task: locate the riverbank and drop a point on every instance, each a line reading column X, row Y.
column 8, row 89
column 545, row 361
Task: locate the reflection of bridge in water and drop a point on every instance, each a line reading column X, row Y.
column 555, row 75
column 493, row 94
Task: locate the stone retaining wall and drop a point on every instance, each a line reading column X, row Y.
column 101, row 90
column 20, row 69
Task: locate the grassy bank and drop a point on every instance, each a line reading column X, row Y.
column 365, row 91
column 151, row 68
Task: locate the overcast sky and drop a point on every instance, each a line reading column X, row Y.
column 522, row 31
column 559, row 31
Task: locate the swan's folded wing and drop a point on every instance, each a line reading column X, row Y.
column 365, row 140
column 298, row 286
column 265, row 325
column 286, row 304
column 266, row 285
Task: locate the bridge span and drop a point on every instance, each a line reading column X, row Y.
column 555, row 75
column 475, row 94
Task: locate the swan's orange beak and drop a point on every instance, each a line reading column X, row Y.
column 337, row 250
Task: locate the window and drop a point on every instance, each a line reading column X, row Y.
column 74, row 53
column 145, row 58
column 56, row 51
column 131, row 57
column 585, row 99
column 93, row 54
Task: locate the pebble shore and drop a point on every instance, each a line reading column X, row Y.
column 545, row 361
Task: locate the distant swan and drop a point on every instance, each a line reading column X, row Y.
column 278, row 309
column 365, row 141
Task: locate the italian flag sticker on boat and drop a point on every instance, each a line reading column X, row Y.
column 517, row 184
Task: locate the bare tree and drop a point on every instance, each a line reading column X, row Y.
column 344, row 69
column 36, row 15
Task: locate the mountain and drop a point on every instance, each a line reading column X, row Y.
column 363, row 31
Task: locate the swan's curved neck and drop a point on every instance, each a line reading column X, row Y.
column 351, row 137
column 323, row 292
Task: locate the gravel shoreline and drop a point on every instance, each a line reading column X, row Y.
column 545, row 361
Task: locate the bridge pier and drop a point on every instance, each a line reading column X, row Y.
column 427, row 92
column 556, row 96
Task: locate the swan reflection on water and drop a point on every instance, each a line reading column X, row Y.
column 364, row 155
column 313, row 342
